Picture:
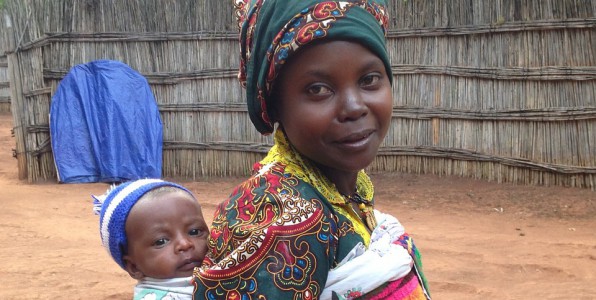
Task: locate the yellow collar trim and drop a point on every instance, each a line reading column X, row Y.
column 283, row 152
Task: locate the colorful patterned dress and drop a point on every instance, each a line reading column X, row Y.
column 282, row 230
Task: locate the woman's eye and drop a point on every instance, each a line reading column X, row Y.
column 370, row 79
column 318, row 89
column 194, row 232
column 160, row 242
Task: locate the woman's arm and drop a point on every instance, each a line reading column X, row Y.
column 277, row 245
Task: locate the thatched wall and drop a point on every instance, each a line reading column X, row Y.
column 4, row 81
column 186, row 54
column 4, row 85
column 498, row 90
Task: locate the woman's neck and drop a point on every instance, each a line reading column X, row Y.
column 344, row 181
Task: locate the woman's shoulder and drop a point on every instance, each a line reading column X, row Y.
column 270, row 200
column 270, row 184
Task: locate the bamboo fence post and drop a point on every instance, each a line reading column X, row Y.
column 17, row 111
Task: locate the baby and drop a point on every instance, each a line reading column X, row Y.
column 364, row 270
column 155, row 231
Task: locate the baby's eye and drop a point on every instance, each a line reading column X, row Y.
column 160, row 242
column 318, row 89
column 370, row 79
column 194, row 232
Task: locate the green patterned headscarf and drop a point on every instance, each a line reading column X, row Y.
column 272, row 30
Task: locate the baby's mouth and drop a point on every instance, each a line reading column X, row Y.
column 189, row 265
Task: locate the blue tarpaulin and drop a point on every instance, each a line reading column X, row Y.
column 105, row 125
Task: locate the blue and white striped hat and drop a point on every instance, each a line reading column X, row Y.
column 114, row 210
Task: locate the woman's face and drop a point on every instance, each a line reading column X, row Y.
column 335, row 104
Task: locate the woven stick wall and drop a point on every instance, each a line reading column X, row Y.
column 498, row 90
column 502, row 90
column 186, row 52
column 4, row 85
column 4, row 81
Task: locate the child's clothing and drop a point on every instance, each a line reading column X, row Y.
column 364, row 270
column 164, row 289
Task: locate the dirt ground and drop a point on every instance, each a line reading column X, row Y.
column 479, row 240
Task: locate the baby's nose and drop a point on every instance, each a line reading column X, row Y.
column 184, row 244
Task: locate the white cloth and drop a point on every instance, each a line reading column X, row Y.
column 363, row 270
column 164, row 289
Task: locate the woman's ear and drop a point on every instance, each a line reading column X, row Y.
column 272, row 112
column 273, row 104
column 132, row 269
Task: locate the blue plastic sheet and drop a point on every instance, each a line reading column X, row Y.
column 105, row 125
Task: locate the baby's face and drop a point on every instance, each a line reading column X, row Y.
column 167, row 236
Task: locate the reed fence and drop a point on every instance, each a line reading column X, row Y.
column 4, row 81
column 495, row 90
column 4, row 85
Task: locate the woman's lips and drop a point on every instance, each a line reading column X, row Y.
column 356, row 139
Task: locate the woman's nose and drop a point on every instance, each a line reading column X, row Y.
column 353, row 105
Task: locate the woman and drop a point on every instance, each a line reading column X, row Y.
column 320, row 71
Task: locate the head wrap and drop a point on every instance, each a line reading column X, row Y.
column 272, row 30
column 114, row 208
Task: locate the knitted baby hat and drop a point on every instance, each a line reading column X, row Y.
column 115, row 208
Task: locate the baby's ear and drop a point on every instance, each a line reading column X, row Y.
column 132, row 269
